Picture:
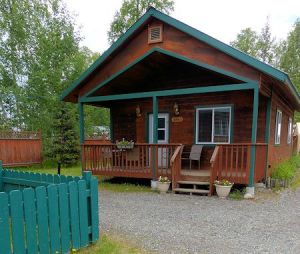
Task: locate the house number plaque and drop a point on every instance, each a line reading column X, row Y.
column 177, row 119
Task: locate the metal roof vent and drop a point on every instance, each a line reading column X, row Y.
column 155, row 34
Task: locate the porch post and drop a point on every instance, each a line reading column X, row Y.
column 154, row 150
column 250, row 188
column 81, row 122
column 81, row 131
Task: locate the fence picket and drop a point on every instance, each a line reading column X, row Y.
column 30, row 220
column 94, row 209
column 74, row 216
column 17, row 216
column 64, row 217
column 42, row 218
column 83, row 211
column 4, row 224
column 53, row 218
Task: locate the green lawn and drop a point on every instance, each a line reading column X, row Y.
column 104, row 183
column 111, row 245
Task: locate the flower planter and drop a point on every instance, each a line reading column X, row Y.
column 163, row 187
column 125, row 146
column 222, row 190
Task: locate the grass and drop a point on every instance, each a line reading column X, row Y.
column 286, row 170
column 111, row 245
column 237, row 194
column 109, row 184
column 296, row 180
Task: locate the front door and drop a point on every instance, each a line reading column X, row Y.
column 162, row 136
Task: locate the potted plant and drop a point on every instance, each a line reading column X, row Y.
column 223, row 188
column 125, row 144
column 163, row 184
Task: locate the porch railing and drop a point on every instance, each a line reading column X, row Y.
column 139, row 162
column 232, row 162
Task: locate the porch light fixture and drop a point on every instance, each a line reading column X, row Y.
column 138, row 111
column 176, row 109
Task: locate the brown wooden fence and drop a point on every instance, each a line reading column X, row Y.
column 20, row 148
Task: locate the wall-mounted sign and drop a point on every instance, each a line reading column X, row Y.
column 177, row 119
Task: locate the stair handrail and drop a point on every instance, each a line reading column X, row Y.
column 214, row 161
column 175, row 164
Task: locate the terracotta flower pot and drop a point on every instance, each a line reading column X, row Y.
column 223, row 191
column 163, row 187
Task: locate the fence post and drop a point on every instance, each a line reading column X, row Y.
column 1, row 173
column 87, row 176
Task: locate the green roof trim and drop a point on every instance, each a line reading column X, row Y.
column 152, row 12
column 172, row 54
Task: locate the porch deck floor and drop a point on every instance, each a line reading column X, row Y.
column 193, row 172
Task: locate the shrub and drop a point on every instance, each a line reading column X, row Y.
column 286, row 169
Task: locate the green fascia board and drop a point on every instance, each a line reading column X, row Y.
column 172, row 54
column 172, row 92
column 265, row 68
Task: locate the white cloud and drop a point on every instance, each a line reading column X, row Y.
column 218, row 18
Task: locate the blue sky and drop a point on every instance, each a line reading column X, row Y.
column 218, row 18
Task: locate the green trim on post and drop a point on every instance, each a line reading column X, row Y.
column 172, row 92
column 1, row 172
column 253, row 136
column 155, row 124
column 81, row 122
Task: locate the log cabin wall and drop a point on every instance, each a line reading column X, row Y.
column 127, row 125
column 278, row 153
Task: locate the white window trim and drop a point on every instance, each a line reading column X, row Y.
column 277, row 139
column 213, row 126
column 290, row 131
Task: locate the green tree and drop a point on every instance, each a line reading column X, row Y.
column 131, row 11
column 290, row 60
column 246, row 41
column 266, row 45
column 65, row 145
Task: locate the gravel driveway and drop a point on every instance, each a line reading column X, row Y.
column 195, row 224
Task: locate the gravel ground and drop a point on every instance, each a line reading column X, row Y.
column 196, row 224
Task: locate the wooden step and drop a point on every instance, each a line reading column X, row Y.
column 193, row 183
column 198, row 191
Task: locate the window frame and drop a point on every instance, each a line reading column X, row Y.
column 289, row 131
column 277, row 139
column 213, row 108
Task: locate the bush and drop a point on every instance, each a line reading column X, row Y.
column 286, row 169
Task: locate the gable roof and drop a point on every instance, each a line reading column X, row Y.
column 152, row 12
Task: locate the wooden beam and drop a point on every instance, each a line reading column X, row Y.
column 154, row 133
column 172, row 92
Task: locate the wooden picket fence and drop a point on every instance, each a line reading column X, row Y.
column 43, row 213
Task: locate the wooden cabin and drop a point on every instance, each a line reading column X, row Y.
column 171, row 89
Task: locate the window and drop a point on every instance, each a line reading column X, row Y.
column 290, row 129
column 278, row 127
column 213, row 125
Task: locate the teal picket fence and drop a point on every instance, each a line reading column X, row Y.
column 43, row 213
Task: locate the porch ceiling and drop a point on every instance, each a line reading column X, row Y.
column 159, row 71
